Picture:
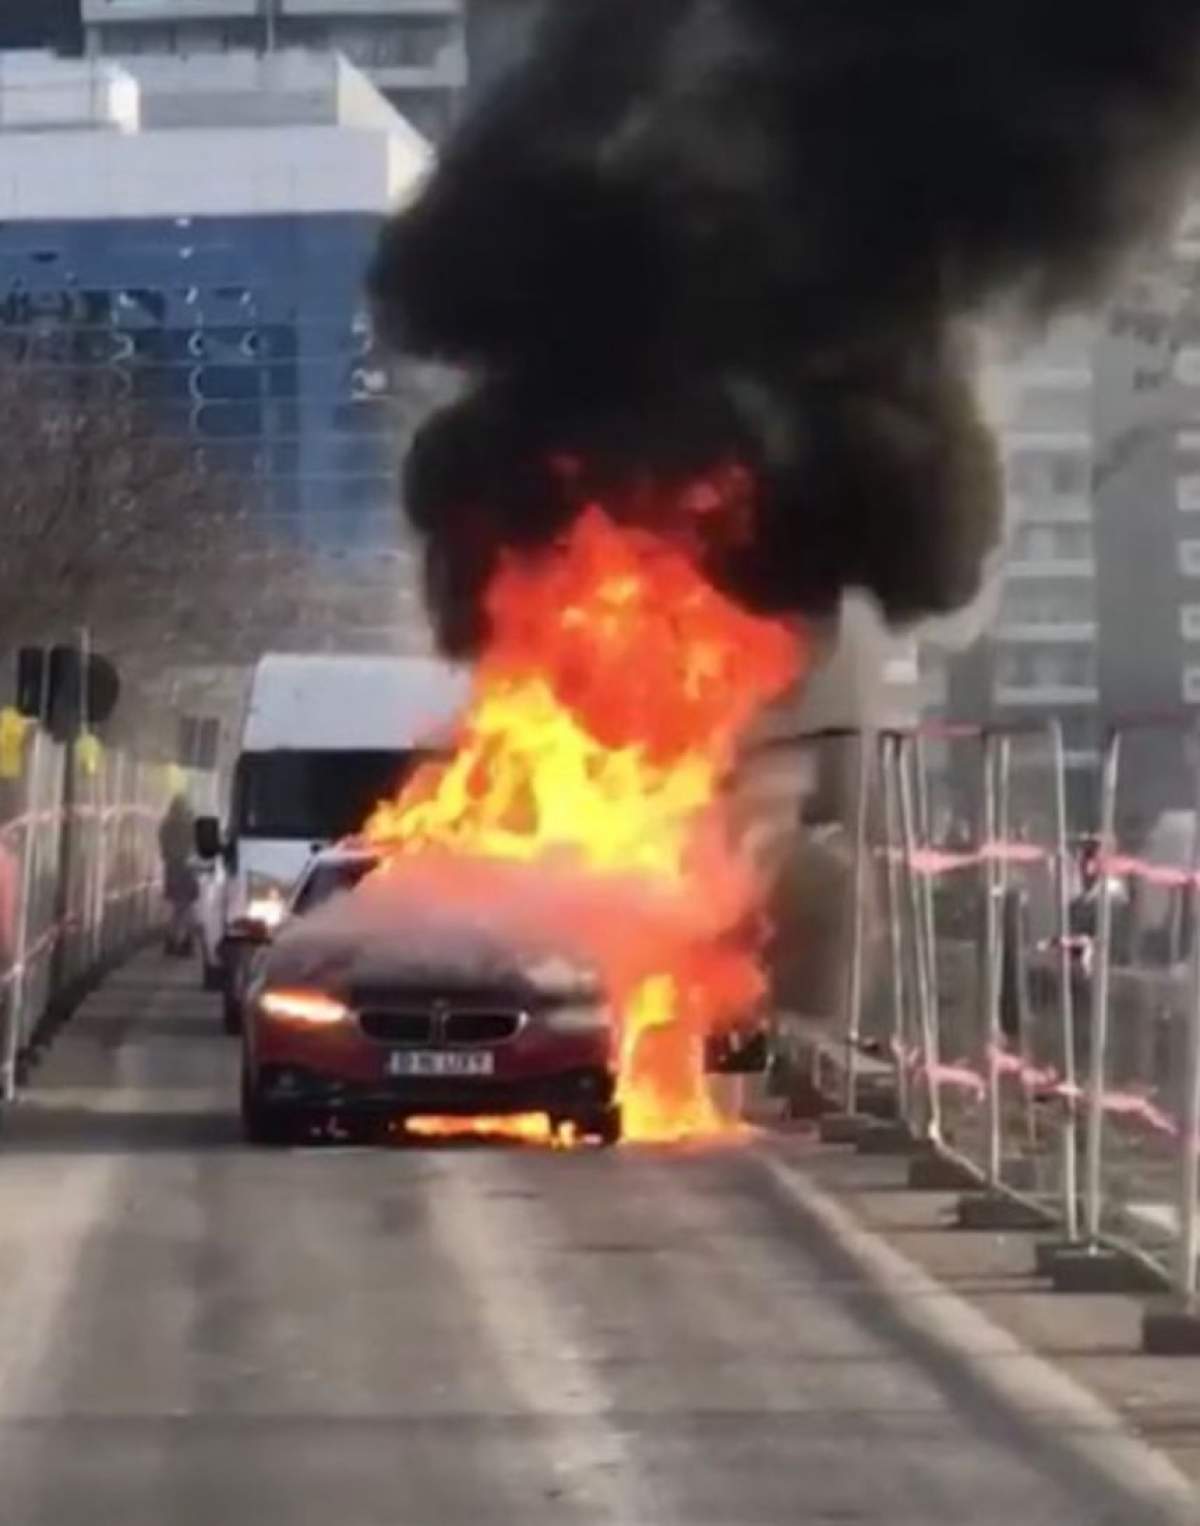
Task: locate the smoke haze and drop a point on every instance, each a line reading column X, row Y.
column 692, row 231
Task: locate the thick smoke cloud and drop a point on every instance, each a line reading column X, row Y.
column 695, row 230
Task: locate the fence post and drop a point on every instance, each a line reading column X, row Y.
column 1189, row 1142
column 991, row 963
column 925, row 1009
column 30, row 840
column 108, row 803
column 94, row 896
column 924, row 825
column 1066, row 992
column 858, row 883
column 1098, row 1038
column 888, row 758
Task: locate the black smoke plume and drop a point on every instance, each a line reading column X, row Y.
column 695, row 231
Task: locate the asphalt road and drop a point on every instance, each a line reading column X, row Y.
column 192, row 1332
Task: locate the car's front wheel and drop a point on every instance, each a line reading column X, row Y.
column 603, row 1126
column 263, row 1123
column 231, row 1008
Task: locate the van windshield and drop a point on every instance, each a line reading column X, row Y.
column 327, row 880
column 320, row 796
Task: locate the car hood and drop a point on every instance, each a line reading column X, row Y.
column 436, row 952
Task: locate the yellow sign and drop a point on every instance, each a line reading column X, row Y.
column 176, row 780
column 12, row 743
column 90, row 753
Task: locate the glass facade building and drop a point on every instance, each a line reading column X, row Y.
column 249, row 339
column 53, row 24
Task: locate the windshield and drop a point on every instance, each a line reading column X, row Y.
column 330, row 879
column 316, row 795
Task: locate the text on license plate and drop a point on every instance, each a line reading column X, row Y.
column 434, row 1062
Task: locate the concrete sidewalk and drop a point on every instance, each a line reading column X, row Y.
column 1095, row 1339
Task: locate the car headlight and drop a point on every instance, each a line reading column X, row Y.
column 267, row 910
column 579, row 1017
column 309, row 1007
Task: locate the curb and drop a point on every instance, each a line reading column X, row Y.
column 1019, row 1382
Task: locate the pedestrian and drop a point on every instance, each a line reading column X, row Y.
column 181, row 886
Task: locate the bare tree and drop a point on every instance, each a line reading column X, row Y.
column 108, row 523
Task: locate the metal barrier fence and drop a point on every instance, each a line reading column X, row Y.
column 965, row 990
column 1033, row 1005
column 1144, row 1094
column 79, row 871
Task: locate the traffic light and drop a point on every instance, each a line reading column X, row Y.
column 63, row 688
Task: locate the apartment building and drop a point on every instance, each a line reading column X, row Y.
column 1044, row 640
column 412, row 51
column 500, row 34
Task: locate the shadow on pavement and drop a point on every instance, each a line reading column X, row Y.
column 88, row 1131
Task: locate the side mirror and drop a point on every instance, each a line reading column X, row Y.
column 207, row 834
column 738, row 1053
column 249, row 930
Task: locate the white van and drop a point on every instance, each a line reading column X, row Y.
column 324, row 740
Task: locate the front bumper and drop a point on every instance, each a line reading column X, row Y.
column 566, row 1092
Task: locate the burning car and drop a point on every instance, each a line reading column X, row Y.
column 357, row 1014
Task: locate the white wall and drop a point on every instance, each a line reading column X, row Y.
column 206, row 172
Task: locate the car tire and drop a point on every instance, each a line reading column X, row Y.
column 231, row 1010
column 263, row 1124
column 604, row 1126
column 360, row 1131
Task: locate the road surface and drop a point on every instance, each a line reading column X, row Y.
column 192, row 1332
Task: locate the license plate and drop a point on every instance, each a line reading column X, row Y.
column 437, row 1062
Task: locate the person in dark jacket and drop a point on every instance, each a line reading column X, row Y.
column 180, row 884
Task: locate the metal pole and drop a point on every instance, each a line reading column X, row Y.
column 106, row 800
column 991, row 965
column 1066, row 993
column 16, row 998
column 1093, row 1183
column 925, row 833
column 888, row 761
column 1189, row 1161
column 926, row 1013
column 854, row 983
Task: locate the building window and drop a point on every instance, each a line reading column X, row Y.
column 218, row 37
column 1187, row 494
column 1191, row 686
column 1187, row 366
column 1189, row 558
column 1058, row 668
column 1040, row 474
column 1189, row 622
column 130, row 41
column 1068, row 476
column 413, row 43
column 1069, row 605
column 1053, row 543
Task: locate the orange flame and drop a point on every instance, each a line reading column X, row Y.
column 605, row 713
column 520, row 1128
